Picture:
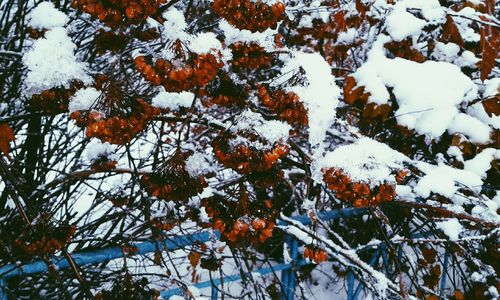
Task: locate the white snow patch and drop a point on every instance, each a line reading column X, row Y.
column 431, row 10
column 475, row 130
column 428, row 96
column 96, row 149
column 365, row 160
column 320, row 94
column 272, row 131
column 52, row 63
column 198, row 164
column 173, row 101
column 175, row 25
column 400, row 24
column 232, row 35
column 451, row 228
column 204, row 43
column 481, row 163
column 454, row 151
column 83, row 99
column 47, row 16
column 449, row 52
column 491, row 87
column 443, row 180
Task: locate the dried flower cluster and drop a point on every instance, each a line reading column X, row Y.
column 55, row 100
column 315, row 254
column 43, row 238
column 244, row 158
column 171, row 181
column 360, row 194
column 115, row 13
column 246, row 14
column 249, row 56
column 198, row 70
column 286, row 105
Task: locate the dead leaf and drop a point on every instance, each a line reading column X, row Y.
column 6, row 136
column 492, row 106
column 490, row 41
column 450, row 32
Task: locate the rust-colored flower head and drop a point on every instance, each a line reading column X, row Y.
column 246, row 14
column 286, row 105
column 43, row 237
column 115, row 117
column 116, row 13
column 188, row 71
column 55, row 100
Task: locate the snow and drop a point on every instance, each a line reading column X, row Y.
column 444, row 180
column 83, row 99
column 365, row 160
column 401, row 24
column 51, row 63
column 449, row 52
column 175, row 25
column 346, row 37
column 428, row 97
column 481, row 163
column 451, row 228
column 477, row 131
column 204, row 43
column 232, row 35
column 197, row 164
column 272, row 131
column 454, row 151
column 464, row 24
column 431, row 10
column 46, row 16
column 491, row 87
column 320, row 94
column 314, row 12
column 477, row 110
column 96, row 149
column 173, row 101
column 486, row 211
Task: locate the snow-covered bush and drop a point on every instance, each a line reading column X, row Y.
column 123, row 121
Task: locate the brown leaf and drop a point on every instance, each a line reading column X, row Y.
column 490, row 41
column 6, row 136
column 492, row 106
column 353, row 93
column 450, row 32
column 429, row 255
column 339, row 20
column 458, row 295
column 194, row 258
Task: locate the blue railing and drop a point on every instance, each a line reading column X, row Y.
column 287, row 269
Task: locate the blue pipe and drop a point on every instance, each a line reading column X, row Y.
column 231, row 278
column 442, row 286
column 101, row 255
